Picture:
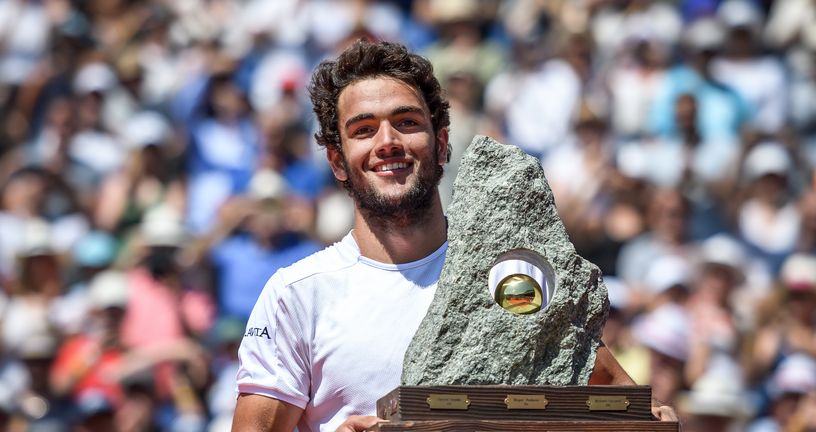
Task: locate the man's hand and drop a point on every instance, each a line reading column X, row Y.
column 358, row 423
column 608, row 371
column 663, row 412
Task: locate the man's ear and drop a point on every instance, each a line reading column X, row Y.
column 442, row 146
column 338, row 168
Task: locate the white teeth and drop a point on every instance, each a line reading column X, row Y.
column 391, row 166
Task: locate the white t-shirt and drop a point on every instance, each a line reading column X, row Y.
column 329, row 333
column 762, row 82
column 538, row 106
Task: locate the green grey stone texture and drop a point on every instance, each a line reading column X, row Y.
column 502, row 202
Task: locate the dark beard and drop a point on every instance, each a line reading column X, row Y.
column 406, row 210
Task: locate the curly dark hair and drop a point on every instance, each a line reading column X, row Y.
column 366, row 59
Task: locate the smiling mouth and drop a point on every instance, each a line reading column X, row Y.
column 390, row 166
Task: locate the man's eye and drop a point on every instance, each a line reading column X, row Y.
column 360, row 131
column 407, row 123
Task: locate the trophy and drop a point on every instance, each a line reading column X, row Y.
column 510, row 339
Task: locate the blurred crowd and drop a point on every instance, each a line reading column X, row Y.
column 157, row 165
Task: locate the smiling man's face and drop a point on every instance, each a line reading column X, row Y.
column 392, row 158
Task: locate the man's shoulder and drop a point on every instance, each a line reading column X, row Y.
column 335, row 257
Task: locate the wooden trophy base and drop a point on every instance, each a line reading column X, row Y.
column 519, row 408
column 525, row 426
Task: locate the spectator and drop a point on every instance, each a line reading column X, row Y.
column 721, row 111
column 537, row 108
column 461, row 47
column 788, row 328
column 24, row 36
column 716, row 401
column 701, row 169
column 88, row 364
column 464, row 95
column 49, row 147
column 760, row 80
column 92, row 254
column 622, row 23
column 94, row 147
column 582, row 176
column 253, row 239
column 161, row 306
column 149, row 178
column 668, row 280
column 716, row 337
column 793, row 380
column 165, row 315
column 665, row 332
column 807, row 238
column 221, row 396
column 617, row 333
column 667, row 219
column 634, row 83
column 27, row 331
column 769, row 219
column 29, row 194
column 224, row 146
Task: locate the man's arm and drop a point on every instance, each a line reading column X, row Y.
column 607, row 371
column 256, row 413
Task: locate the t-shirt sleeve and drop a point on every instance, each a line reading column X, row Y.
column 274, row 356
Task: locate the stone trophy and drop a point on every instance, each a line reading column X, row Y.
column 509, row 341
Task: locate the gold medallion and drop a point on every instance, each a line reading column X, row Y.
column 519, row 294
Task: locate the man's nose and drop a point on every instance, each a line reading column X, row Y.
column 388, row 141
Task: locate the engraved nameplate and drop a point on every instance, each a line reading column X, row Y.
column 448, row 401
column 607, row 403
column 525, row 402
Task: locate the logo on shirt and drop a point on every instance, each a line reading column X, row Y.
column 257, row 332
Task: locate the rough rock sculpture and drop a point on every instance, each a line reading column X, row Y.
column 502, row 203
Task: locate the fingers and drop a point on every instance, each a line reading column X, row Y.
column 358, row 423
column 664, row 413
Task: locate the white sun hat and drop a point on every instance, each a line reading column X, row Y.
column 767, row 158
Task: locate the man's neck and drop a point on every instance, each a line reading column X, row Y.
column 398, row 242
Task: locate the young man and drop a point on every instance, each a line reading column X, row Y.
column 328, row 334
